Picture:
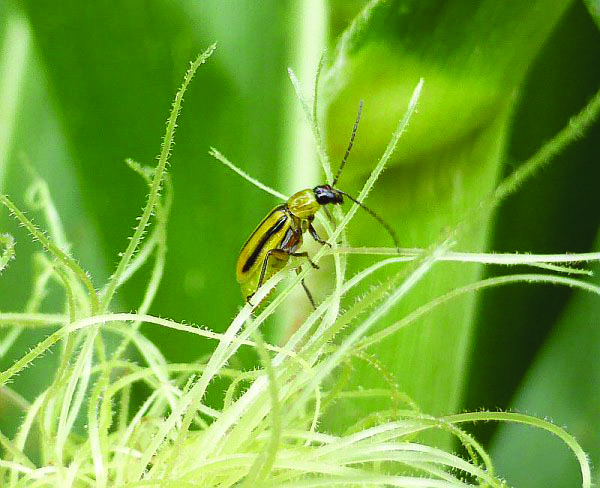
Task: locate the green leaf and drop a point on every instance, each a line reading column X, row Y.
column 594, row 9
column 553, row 212
column 563, row 385
column 473, row 57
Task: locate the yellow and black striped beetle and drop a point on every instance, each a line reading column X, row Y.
column 279, row 235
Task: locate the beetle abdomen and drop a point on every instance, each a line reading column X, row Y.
column 261, row 243
column 267, row 235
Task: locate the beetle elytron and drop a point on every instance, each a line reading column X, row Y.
column 279, row 235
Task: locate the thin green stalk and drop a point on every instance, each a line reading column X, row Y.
column 576, row 127
column 248, row 376
column 507, row 258
column 346, row 43
column 32, row 319
column 339, row 261
column 53, row 249
column 8, row 253
column 330, row 363
column 157, row 180
column 470, row 288
column 160, row 236
column 25, row 430
column 38, row 198
column 61, row 374
column 569, row 440
column 219, row 157
column 323, row 157
column 96, row 440
column 264, row 461
column 79, row 378
column 315, row 105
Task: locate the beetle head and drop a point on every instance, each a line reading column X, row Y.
column 325, row 194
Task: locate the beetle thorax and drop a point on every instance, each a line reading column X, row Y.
column 303, row 204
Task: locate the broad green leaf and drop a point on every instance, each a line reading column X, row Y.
column 594, row 9
column 563, row 385
column 473, row 57
column 553, row 212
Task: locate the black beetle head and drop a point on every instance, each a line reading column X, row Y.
column 325, row 195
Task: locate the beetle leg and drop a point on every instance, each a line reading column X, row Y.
column 329, row 216
column 316, row 237
column 308, row 293
column 304, row 255
column 284, row 254
column 263, row 270
column 281, row 252
column 294, row 225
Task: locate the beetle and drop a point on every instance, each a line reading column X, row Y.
column 279, row 235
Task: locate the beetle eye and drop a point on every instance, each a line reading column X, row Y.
column 323, row 196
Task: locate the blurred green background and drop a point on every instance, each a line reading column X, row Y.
column 83, row 85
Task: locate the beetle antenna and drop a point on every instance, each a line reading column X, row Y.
column 360, row 107
column 376, row 217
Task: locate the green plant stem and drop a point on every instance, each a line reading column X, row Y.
column 569, row 440
column 264, row 461
column 507, row 259
column 8, row 253
column 219, row 157
column 32, row 319
column 311, row 118
column 53, row 249
column 470, row 288
column 575, row 129
column 157, row 180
